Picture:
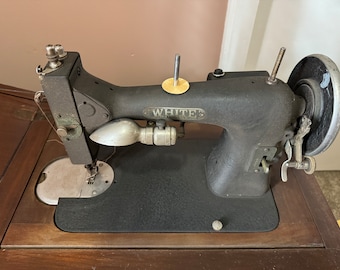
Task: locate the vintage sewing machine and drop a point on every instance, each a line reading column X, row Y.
column 141, row 171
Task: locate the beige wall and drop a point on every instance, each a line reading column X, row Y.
column 126, row 42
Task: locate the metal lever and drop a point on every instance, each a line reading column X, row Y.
column 301, row 162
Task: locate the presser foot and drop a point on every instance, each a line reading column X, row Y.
column 62, row 179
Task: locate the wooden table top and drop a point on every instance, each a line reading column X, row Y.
column 307, row 237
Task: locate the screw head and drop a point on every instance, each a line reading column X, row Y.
column 218, row 73
column 217, row 225
column 50, row 50
column 62, row 131
column 60, row 50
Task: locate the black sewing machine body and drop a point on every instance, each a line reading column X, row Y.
column 255, row 116
column 260, row 119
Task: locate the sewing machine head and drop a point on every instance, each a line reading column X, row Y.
column 196, row 185
column 259, row 115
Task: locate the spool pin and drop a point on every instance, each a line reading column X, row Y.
column 176, row 85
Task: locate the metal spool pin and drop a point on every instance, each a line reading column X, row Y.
column 176, row 85
column 272, row 78
column 176, row 69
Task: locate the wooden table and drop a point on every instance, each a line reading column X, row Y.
column 307, row 237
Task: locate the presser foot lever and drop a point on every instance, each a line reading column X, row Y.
column 301, row 162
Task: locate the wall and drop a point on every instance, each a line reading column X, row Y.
column 304, row 27
column 126, row 42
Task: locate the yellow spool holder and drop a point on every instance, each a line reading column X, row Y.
column 176, row 85
column 181, row 87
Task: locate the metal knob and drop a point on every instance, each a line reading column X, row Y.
column 52, row 56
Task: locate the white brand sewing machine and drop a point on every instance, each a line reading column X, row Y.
column 141, row 175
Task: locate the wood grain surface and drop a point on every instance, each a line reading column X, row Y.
column 94, row 259
column 21, row 140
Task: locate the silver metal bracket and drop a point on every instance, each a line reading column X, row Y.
column 301, row 162
column 55, row 54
